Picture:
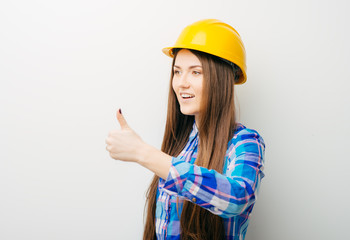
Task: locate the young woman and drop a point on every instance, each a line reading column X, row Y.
column 208, row 172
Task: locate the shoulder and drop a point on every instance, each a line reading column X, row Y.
column 244, row 137
column 246, row 147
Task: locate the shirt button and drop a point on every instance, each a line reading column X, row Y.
column 194, row 199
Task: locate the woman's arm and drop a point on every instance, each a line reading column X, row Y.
column 223, row 194
column 226, row 194
column 155, row 160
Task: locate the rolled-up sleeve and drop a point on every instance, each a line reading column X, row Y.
column 226, row 194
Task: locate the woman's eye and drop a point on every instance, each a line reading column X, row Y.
column 176, row 71
column 196, row 72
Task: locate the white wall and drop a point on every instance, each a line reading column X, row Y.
column 66, row 66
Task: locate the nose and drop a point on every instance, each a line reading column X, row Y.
column 183, row 80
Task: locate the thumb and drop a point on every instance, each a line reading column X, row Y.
column 121, row 120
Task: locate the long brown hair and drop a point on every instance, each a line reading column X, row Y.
column 216, row 127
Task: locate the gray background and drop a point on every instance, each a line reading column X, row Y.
column 67, row 66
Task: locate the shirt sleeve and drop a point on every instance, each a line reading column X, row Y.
column 226, row 194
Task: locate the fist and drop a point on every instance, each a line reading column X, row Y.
column 124, row 144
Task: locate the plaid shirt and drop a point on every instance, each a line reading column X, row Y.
column 230, row 195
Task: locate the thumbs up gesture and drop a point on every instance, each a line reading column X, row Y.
column 124, row 144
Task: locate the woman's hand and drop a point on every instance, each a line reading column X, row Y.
column 124, row 144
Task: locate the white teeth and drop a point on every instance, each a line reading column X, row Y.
column 184, row 95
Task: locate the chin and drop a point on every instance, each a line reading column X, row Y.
column 188, row 112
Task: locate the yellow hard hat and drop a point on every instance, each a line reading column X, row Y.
column 214, row 37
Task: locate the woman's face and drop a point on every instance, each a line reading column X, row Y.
column 187, row 82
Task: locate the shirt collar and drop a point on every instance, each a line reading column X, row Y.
column 194, row 132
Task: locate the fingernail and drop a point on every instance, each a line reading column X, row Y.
column 120, row 110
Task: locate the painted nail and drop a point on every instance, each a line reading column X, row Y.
column 120, row 110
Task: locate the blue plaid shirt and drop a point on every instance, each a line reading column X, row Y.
column 230, row 195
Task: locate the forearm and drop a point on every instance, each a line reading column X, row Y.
column 155, row 160
column 223, row 195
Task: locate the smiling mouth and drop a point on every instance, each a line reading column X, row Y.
column 186, row 96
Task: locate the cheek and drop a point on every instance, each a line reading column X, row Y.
column 173, row 84
column 199, row 89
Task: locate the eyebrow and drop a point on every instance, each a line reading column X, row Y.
column 190, row 67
